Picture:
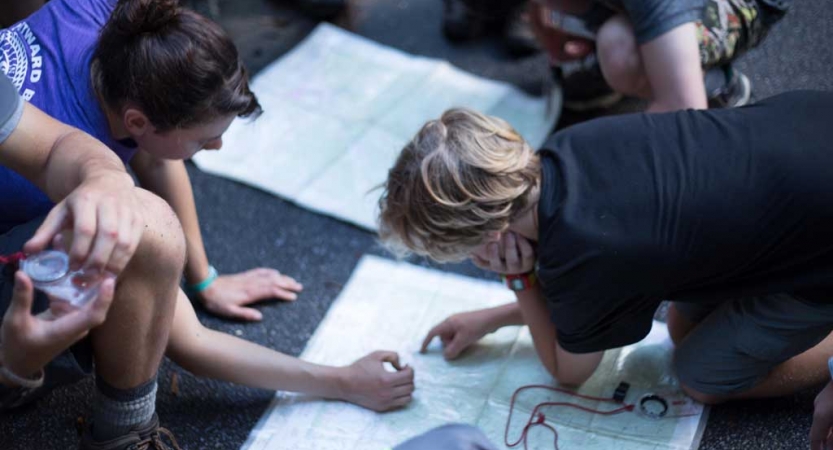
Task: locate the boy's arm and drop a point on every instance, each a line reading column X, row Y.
column 228, row 294
column 209, row 353
column 565, row 367
column 672, row 65
column 96, row 198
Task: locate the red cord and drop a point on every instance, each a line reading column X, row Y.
column 12, row 258
column 537, row 417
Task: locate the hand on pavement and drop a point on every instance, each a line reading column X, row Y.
column 230, row 295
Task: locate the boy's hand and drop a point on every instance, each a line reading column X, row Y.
column 459, row 332
column 366, row 382
column 229, row 295
column 104, row 215
column 512, row 254
column 820, row 437
column 30, row 342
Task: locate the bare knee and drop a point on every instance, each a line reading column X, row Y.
column 160, row 255
column 706, row 399
column 619, row 57
column 678, row 326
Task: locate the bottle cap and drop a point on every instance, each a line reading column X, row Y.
column 46, row 266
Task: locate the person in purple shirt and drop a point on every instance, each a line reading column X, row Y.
column 157, row 83
column 151, row 95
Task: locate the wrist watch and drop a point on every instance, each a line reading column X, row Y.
column 521, row 281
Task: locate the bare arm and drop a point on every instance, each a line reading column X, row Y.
column 58, row 158
column 565, row 367
column 229, row 294
column 96, row 197
column 213, row 354
column 672, row 65
column 169, row 180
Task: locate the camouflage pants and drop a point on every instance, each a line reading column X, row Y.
column 729, row 28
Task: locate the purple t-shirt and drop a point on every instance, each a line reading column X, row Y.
column 47, row 57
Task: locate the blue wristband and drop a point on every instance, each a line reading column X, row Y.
column 830, row 366
column 204, row 284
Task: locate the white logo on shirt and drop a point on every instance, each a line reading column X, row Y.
column 14, row 60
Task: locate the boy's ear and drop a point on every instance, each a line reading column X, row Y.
column 136, row 122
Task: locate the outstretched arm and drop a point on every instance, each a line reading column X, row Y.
column 228, row 295
column 209, row 353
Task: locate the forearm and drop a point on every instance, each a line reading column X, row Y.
column 504, row 316
column 169, row 180
column 209, row 353
column 535, row 315
column 565, row 367
column 78, row 158
column 224, row 357
column 58, row 158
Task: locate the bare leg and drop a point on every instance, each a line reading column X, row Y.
column 665, row 70
column 129, row 346
column 619, row 58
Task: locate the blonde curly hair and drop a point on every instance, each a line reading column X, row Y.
column 461, row 179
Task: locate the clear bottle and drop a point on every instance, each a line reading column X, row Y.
column 50, row 273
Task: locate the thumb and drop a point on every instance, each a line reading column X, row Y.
column 391, row 357
column 243, row 313
column 454, row 348
column 23, row 295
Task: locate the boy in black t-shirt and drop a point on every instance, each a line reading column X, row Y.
column 727, row 213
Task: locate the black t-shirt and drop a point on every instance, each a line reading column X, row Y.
column 686, row 206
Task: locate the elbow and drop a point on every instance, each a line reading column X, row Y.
column 566, row 377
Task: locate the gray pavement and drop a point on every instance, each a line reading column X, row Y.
column 244, row 228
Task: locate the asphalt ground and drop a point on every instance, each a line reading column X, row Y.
column 244, row 228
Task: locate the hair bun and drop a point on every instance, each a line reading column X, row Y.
column 134, row 17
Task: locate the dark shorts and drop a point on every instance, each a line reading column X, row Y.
column 738, row 342
column 69, row 367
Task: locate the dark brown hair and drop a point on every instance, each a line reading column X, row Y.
column 178, row 67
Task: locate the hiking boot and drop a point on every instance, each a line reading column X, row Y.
column 460, row 24
column 734, row 90
column 144, row 437
column 518, row 37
